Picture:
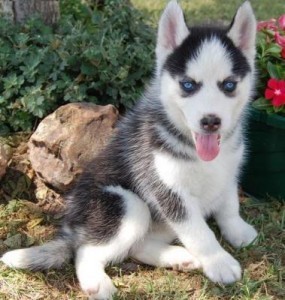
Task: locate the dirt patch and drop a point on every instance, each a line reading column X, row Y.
column 29, row 209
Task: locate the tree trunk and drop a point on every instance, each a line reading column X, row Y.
column 6, row 8
column 21, row 10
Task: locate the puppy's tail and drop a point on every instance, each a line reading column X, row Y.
column 50, row 255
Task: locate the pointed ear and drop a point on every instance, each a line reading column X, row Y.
column 172, row 30
column 243, row 30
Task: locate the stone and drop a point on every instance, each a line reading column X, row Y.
column 68, row 139
column 5, row 155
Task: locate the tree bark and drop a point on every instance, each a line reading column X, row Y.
column 6, row 8
column 21, row 10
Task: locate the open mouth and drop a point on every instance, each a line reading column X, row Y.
column 207, row 145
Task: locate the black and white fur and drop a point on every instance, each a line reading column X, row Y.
column 150, row 187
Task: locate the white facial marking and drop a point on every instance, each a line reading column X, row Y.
column 211, row 66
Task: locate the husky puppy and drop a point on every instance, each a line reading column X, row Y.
column 174, row 161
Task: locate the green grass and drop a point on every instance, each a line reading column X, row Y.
column 198, row 11
column 263, row 264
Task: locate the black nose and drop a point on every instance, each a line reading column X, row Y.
column 210, row 123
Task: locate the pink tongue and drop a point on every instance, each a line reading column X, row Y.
column 207, row 146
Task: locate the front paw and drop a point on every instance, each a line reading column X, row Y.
column 98, row 287
column 222, row 268
column 240, row 235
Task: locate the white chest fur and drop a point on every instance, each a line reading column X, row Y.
column 205, row 181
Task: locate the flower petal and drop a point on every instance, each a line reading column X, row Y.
column 272, row 83
column 281, row 84
column 281, row 22
column 280, row 40
column 270, row 24
column 269, row 94
column 278, row 100
column 283, row 98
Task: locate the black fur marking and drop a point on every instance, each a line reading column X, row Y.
column 143, row 178
column 175, row 132
column 189, row 49
column 92, row 212
column 154, row 114
column 163, row 145
column 170, row 202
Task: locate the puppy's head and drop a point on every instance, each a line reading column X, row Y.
column 205, row 75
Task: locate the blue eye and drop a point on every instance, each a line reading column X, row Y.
column 229, row 86
column 189, row 86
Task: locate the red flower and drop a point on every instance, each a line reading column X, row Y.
column 275, row 91
column 281, row 22
column 280, row 40
column 270, row 24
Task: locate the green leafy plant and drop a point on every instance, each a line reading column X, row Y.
column 101, row 56
column 271, row 66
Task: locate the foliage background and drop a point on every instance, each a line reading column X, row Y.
column 98, row 55
column 101, row 55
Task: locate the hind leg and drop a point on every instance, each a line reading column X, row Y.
column 92, row 259
column 155, row 250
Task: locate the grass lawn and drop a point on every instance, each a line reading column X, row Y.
column 199, row 11
column 24, row 222
column 263, row 263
